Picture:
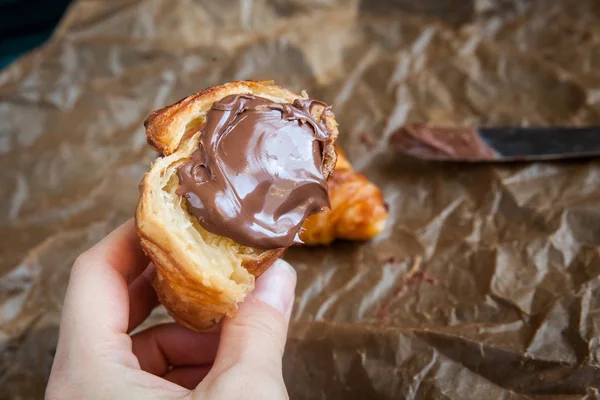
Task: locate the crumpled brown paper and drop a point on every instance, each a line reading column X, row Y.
column 485, row 283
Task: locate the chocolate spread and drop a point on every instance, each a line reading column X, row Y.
column 426, row 141
column 258, row 171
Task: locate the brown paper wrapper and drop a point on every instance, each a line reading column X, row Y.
column 503, row 302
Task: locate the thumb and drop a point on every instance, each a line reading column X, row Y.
column 256, row 337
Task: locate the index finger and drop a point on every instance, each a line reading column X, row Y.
column 120, row 250
column 96, row 306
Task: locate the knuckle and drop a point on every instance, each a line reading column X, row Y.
column 264, row 384
column 264, row 329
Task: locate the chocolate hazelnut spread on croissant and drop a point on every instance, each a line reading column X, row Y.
column 258, row 171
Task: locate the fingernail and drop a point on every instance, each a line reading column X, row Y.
column 276, row 286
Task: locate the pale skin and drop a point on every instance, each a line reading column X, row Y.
column 110, row 294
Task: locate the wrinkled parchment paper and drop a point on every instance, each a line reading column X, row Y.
column 485, row 284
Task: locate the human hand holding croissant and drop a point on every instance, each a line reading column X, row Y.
column 110, row 294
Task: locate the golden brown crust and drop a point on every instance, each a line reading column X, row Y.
column 200, row 276
column 358, row 210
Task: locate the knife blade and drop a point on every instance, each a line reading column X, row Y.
column 499, row 144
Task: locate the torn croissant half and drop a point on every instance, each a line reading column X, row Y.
column 201, row 277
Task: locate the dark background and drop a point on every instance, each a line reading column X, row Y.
column 25, row 24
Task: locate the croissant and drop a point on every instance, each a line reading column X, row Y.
column 358, row 211
column 202, row 276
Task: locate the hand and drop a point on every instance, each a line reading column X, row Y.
column 110, row 294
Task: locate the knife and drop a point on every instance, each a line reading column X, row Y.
column 499, row 144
